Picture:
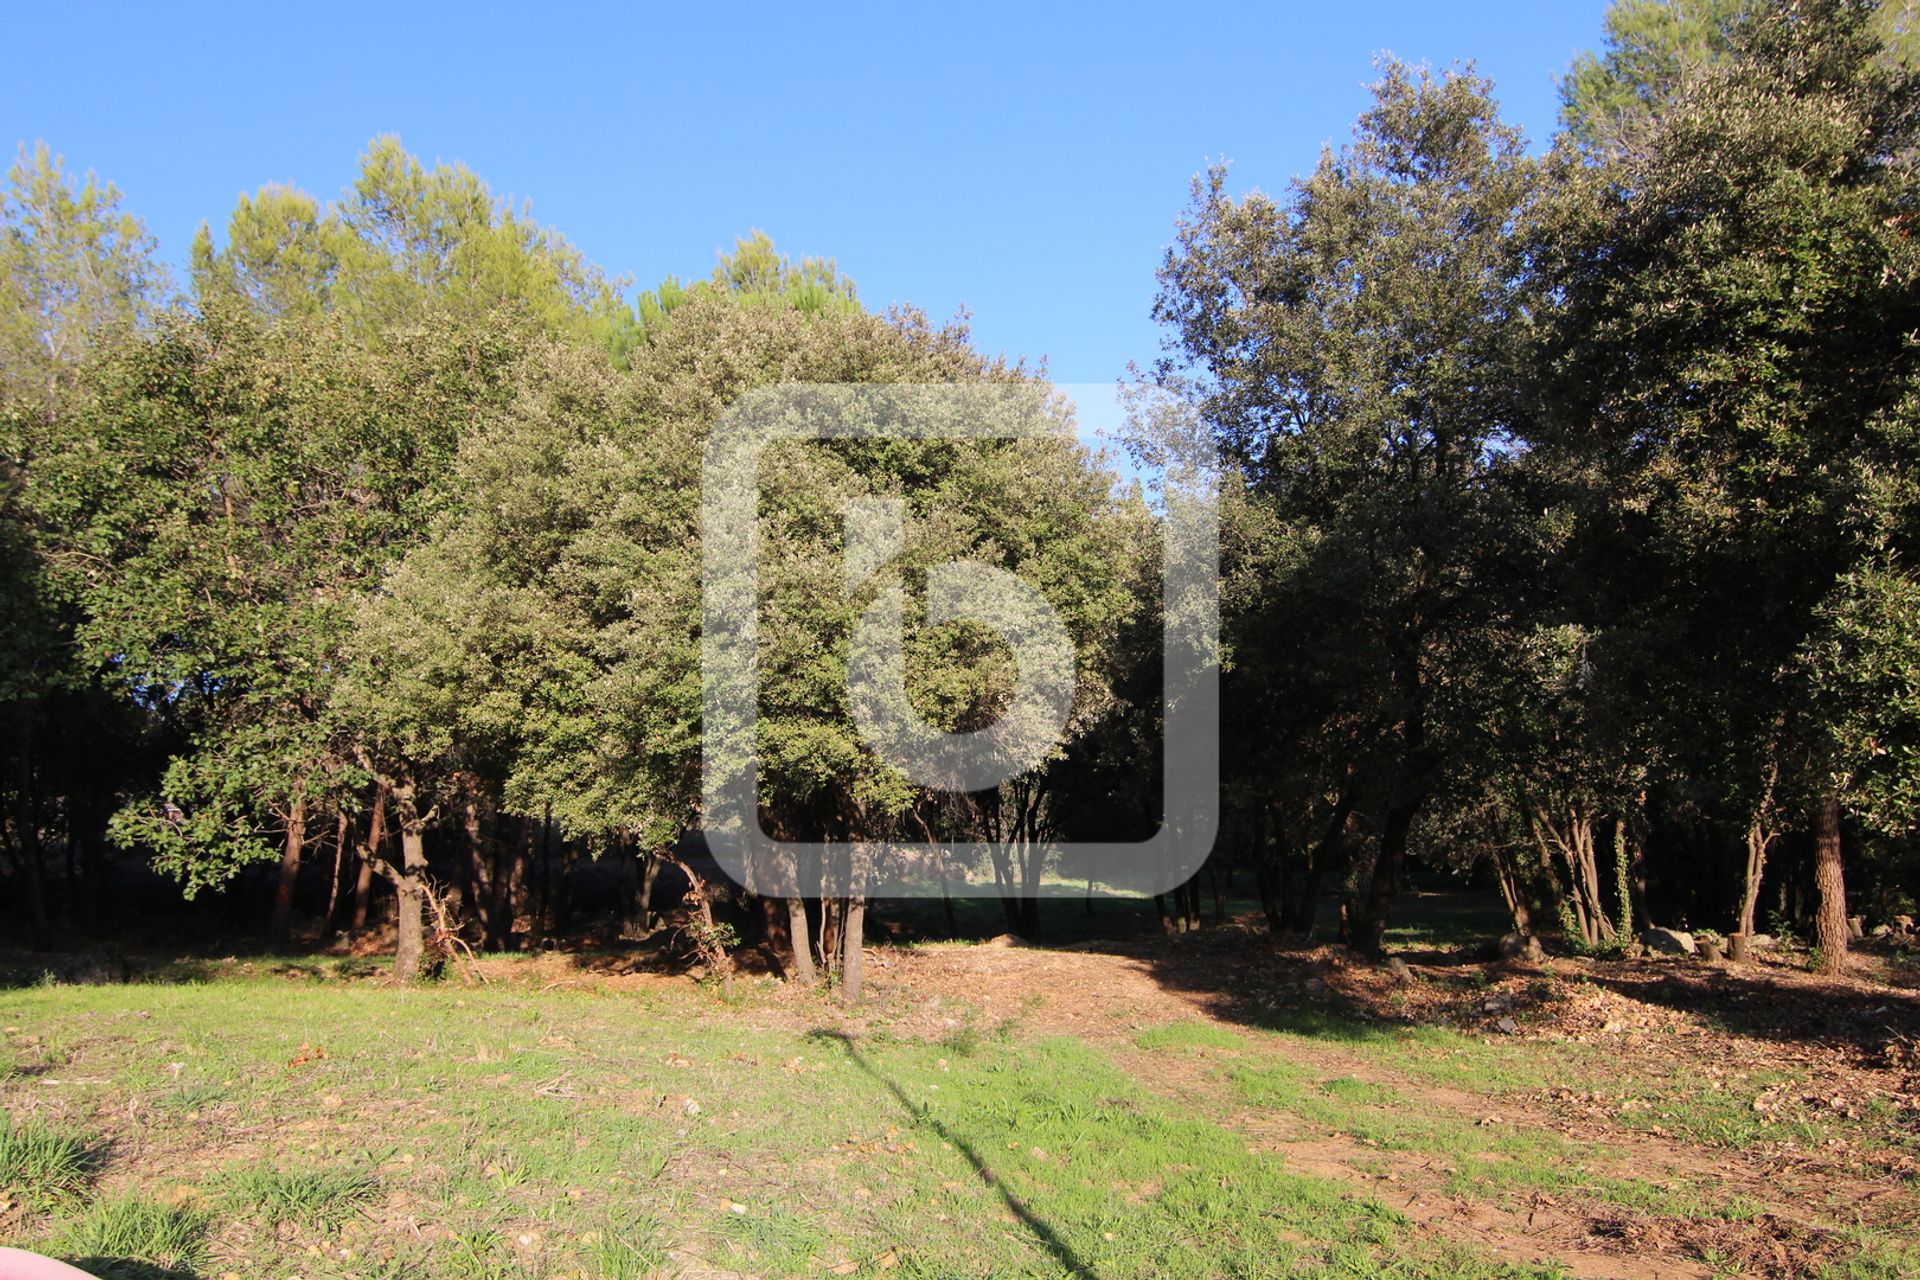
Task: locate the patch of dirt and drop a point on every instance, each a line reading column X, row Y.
column 1846, row 1045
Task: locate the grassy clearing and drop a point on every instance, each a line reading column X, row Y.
column 1483, row 1155
column 510, row 1133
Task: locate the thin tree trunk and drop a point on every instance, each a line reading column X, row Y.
column 280, row 926
column 541, row 853
column 827, row 946
column 1829, row 879
column 370, row 856
column 1758, row 838
column 328, row 921
column 480, row 872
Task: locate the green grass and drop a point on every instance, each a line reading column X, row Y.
column 40, row 1164
column 1189, row 1035
column 284, row 1122
column 526, row 1133
column 320, row 1197
column 625, row 1249
column 130, row 1237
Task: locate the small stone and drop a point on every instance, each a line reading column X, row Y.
column 1507, row 1026
column 1398, row 968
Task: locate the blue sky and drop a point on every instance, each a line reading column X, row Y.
column 1026, row 164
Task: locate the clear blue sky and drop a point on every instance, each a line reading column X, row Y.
column 1026, row 164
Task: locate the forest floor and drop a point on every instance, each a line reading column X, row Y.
column 1192, row 1106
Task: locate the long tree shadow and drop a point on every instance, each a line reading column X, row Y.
column 1042, row 1230
column 1770, row 1003
column 1242, row 975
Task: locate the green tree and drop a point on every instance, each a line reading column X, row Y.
column 233, row 485
column 1655, row 48
column 73, row 264
column 563, row 589
column 75, row 269
column 1355, row 351
column 755, row 274
column 1737, row 297
column 406, row 241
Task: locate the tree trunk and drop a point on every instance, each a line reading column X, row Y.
column 1622, row 881
column 1513, row 890
column 1029, row 930
column 563, row 909
column 509, row 883
column 330, row 920
column 649, row 877
column 803, row 971
column 1829, row 879
column 1637, row 874
column 280, row 927
column 1758, row 838
column 409, row 885
column 370, row 856
column 1370, row 930
column 542, row 887
column 480, row 870
column 1329, row 853
column 826, row 945
column 853, row 933
column 1263, row 877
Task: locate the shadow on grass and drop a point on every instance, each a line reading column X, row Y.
column 130, row 1269
column 1763, row 1003
column 1041, row 1229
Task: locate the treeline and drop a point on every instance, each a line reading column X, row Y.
column 1578, row 492
column 1567, row 507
